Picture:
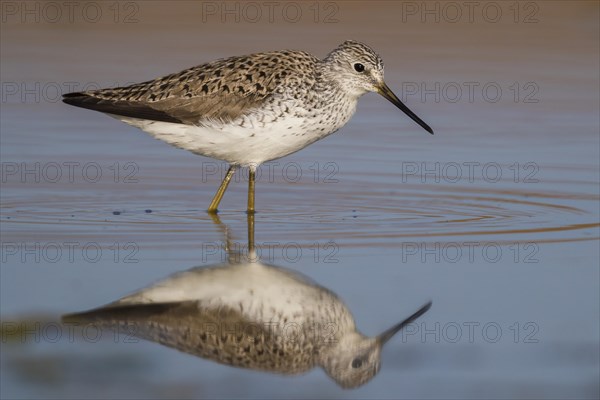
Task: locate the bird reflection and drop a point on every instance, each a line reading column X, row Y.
column 249, row 314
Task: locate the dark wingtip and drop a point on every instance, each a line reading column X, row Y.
column 69, row 318
column 74, row 98
column 119, row 312
column 118, row 107
column 74, row 94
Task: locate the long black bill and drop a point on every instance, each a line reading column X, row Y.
column 387, row 335
column 386, row 92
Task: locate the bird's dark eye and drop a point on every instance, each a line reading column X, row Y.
column 358, row 67
column 356, row 363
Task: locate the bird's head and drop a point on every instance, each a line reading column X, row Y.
column 356, row 359
column 357, row 70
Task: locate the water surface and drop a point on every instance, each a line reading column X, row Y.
column 495, row 218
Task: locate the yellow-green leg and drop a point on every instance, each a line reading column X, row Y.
column 214, row 204
column 251, row 250
column 251, row 180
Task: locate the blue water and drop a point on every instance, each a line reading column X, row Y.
column 495, row 218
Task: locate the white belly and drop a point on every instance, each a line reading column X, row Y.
column 261, row 292
column 245, row 143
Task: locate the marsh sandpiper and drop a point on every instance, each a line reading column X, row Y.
column 250, row 314
column 248, row 110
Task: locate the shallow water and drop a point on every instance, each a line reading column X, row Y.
column 495, row 218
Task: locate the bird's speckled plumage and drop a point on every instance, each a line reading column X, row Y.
column 250, row 109
column 219, row 91
column 249, row 315
column 247, row 109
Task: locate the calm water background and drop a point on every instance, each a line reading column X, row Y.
column 495, row 218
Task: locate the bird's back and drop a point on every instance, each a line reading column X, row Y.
column 245, row 315
column 221, row 90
